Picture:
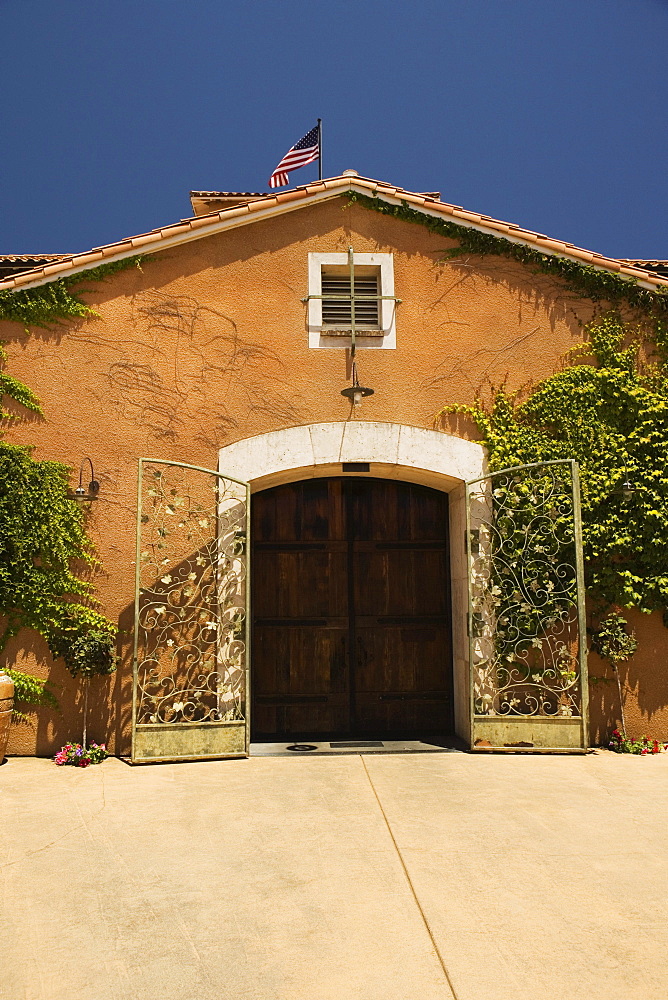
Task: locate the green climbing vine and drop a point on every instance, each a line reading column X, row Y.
column 56, row 301
column 583, row 279
column 608, row 410
column 42, row 530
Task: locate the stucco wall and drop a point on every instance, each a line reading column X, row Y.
column 207, row 345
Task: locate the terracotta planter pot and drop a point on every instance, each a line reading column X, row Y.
column 6, row 709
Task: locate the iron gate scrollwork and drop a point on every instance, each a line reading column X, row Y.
column 527, row 635
column 191, row 614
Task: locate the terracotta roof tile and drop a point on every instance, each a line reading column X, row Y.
column 288, row 196
column 201, row 220
column 331, row 187
column 21, row 257
column 549, row 244
column 115, row 248
column 228, row 194
column 648, row 263
column 141, row 241
column 655, row 266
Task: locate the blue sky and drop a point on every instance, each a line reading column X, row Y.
column 549, row 114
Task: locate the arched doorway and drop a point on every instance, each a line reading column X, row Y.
column 351, row 609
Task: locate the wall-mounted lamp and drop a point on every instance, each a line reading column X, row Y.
column 81, row 493
column 356, row 392
column 626, row 490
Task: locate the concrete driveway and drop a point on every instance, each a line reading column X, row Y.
column 378, row 877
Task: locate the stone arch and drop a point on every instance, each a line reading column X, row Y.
column 394, row 451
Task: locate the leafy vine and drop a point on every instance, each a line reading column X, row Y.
column 55, row 301
column 42, row 530
column 583, row 279
column 610, row 413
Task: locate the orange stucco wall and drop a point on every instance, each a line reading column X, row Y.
column 207, row 344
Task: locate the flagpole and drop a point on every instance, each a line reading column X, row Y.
column 319, row 148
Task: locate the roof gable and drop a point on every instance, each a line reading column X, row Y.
column 272, row 205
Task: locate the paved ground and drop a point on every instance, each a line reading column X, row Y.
column 378, row 877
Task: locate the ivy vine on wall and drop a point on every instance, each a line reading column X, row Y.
column 42, row 531
column 51, row 303
column 608, row 410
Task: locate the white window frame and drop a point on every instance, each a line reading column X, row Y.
column 317, row 337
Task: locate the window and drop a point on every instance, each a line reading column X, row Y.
column 330, row 305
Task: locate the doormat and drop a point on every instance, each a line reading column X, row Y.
column 357, row 743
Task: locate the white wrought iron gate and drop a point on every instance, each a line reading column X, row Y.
column 526, row 616
column 190, row 681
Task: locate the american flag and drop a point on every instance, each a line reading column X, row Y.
column 305, row 151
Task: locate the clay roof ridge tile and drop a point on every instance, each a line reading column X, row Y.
column 92, row 255
column 289, row 196
column 197, row 222
column 232, row 213
column 174, row 228
column 55, row 268
column 626, row 269
column 471, row 216
column 115, row 248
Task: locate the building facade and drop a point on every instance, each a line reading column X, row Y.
column 228, row 349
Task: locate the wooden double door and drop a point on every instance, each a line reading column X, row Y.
column 350, row 597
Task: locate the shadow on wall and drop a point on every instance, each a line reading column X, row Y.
column 193, row 349
column 536, row 290
column 644, row 680
column 177, row 367
column 458, row 425
column 644, row 683
column 120, row 726
column 46, row 730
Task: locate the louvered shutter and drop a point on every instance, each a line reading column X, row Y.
column 336, row 312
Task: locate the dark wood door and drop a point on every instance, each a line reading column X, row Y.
column 350, row 602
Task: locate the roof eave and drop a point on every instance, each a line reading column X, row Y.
column 276, row 205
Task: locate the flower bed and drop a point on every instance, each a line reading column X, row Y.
column 80, row 756
column 622, row 744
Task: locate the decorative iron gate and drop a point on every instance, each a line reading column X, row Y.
column 526, row 624
column 191, row 615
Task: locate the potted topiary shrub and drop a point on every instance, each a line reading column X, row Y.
column 613, row 642
column 87, row 654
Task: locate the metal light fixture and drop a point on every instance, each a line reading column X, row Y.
column 356, row 392
column 81, row 493
column 626, row 490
